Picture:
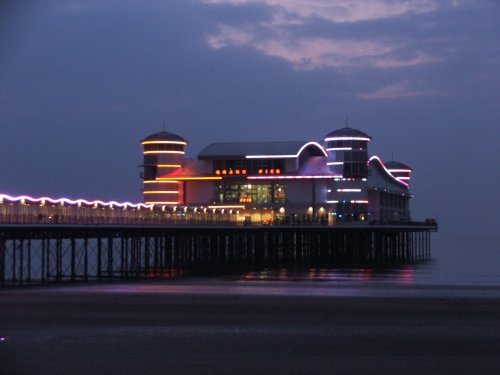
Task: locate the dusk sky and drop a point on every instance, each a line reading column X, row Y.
column 81, row 82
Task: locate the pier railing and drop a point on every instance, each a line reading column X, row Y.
column 46, row 211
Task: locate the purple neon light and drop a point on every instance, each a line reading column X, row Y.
column 282, row 177
column 73, row 202
column 385, row 168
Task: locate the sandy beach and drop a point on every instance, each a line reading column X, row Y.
column 101, row 330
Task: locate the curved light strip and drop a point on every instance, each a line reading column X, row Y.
column 347, row 139
column 276, row 156
column 163, row 142
column 72, row 202
column 387, row 171
column 315, row 144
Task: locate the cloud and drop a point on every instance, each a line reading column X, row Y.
column 397, row 90
column 347, row 10
column 320, row 52
column 311, row 34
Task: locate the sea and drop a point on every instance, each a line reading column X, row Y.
column 459, row 268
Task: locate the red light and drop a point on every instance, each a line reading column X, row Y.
column 237, row 171
column 217, row 171
column 278, row 171
column 272, row 171
column 244, row 171
column 260, row 171
column 224, row 171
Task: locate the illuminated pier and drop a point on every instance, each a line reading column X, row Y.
column 52, row 240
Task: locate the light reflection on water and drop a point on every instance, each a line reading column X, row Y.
column 400, row 275
column 455, row 262
column 460, row 268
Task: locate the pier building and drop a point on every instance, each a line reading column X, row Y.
column 332, row 180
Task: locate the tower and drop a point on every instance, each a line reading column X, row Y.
column 347, row 151
column 163, row 154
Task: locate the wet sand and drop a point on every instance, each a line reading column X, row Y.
column 85, row 330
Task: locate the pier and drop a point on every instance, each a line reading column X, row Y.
column 43, row 240
column 34, row 254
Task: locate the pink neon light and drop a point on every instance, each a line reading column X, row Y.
column 281, row 177
column 339, row 149
column 349, row 190
column 69, row 201
column 276, row 156
column 402, row 178
column 383, row 166
column 400, row 170
column 355, row 201
column 335, row 163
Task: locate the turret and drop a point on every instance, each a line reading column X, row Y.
column 163, row 154
column 347, row 150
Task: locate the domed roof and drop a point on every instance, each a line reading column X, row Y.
column 347, row 132
column 396, row 165
column 164, row 136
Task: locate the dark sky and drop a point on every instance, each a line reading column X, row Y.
column 81, row 82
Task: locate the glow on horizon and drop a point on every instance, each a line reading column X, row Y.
column 43, row 200
column 277, row 156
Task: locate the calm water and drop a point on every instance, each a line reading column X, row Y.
column 455, row 262
column 459, row 268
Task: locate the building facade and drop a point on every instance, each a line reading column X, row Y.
column 334, row 180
